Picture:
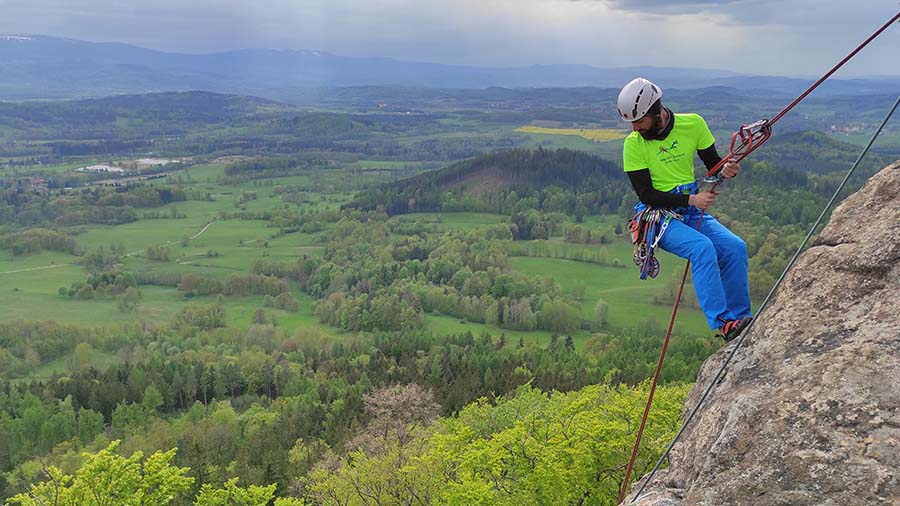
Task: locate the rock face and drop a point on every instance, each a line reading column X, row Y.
column 808, row 413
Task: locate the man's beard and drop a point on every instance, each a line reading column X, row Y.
column 652, row 133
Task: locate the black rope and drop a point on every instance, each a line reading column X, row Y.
column 764, row 304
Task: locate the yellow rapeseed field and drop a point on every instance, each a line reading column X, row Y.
column 593, row 134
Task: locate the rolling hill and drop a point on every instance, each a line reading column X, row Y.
column 522, row 171
column 43, row 67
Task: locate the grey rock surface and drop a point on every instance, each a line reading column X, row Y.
column 808, row 412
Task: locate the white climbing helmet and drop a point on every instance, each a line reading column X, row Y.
column 636, row 98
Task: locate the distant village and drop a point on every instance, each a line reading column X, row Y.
column 120, row 173
column 130, row 166
column 132, row 171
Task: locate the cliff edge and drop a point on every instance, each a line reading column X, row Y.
column 808, row 412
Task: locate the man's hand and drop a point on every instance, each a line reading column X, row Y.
column 702, row 199
column 730, row 169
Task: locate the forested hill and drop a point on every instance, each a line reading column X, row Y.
column 490, row 179
column 170, row 110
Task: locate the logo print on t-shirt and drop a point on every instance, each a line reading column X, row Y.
column 667, row 150
column 669, row 154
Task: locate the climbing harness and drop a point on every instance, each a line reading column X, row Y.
column 744, row 141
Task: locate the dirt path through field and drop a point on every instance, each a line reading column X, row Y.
column 35, row 268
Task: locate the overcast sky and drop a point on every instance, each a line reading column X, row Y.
column 790, row 37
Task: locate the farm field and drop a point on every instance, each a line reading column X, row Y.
column 198, row 241
column 222, row 229
column 611, row 149
column 591, row 134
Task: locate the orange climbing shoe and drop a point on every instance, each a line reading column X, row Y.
column 733, row 328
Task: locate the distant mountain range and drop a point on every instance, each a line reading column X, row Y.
column 41, row 67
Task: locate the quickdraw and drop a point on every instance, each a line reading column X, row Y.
column 647, row 228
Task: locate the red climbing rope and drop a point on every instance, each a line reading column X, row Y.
column 659, row 364
column 755, row 134
column 743, row 142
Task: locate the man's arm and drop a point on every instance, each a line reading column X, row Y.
column 643, row 186
column 711, row 157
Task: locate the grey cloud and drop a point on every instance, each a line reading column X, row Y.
column 643, row 4
column 719, row 33
column 664, row 6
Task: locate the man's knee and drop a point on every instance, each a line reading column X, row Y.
column 702, row 248
column 737, row 246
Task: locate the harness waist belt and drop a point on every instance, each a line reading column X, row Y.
column 690, row 188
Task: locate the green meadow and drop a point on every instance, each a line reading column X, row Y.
column 199, row 241
column 458, row 221
column 443, row 324
column 63, row 365
column 629, row 299
column 378, row 164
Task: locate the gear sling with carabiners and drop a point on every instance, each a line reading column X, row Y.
column 647, row 226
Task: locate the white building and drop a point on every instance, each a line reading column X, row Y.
column 100, row 168
column 152, row 162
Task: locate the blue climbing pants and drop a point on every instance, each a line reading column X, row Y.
column 718, row 264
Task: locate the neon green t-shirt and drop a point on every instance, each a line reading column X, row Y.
column 671, row 161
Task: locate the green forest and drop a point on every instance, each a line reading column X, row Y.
column 412, row 305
